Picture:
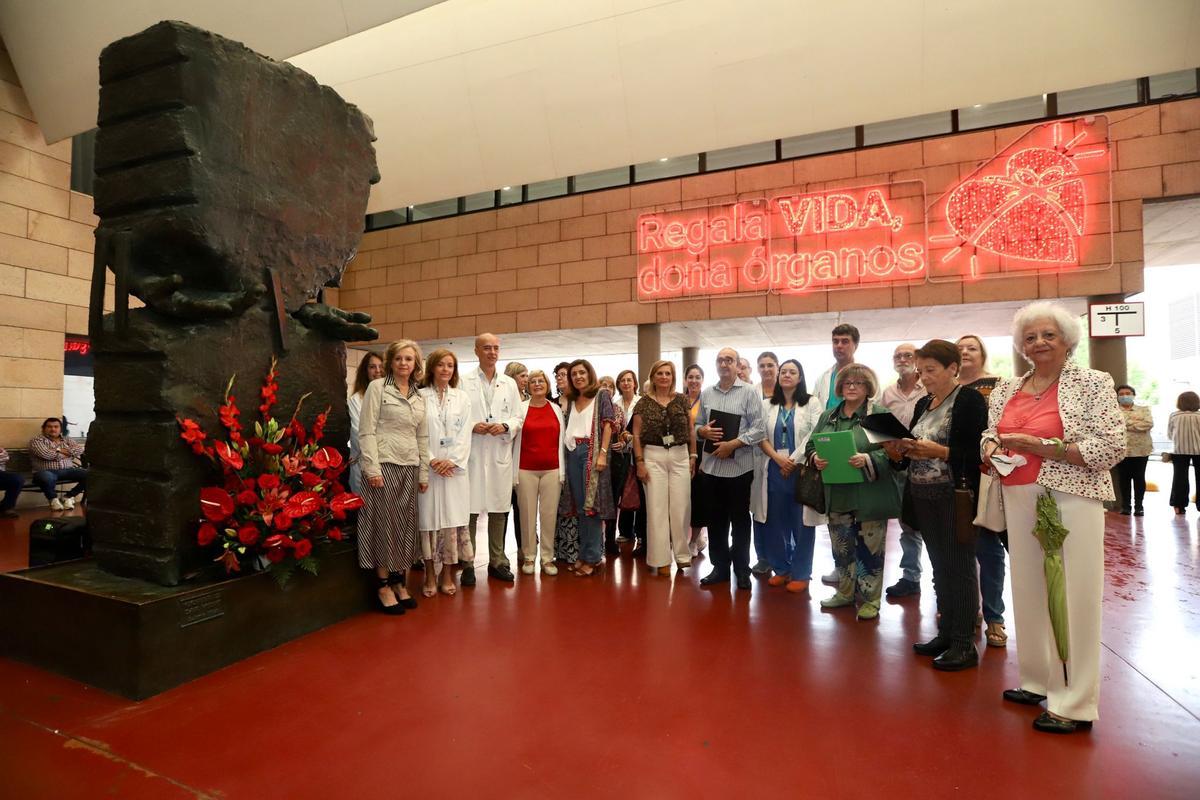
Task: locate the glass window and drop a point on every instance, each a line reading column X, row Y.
column 440, row 208
column 543, row 189
column 510, row 195
column 386, row 219
column 985, row 115
column 738, row 156
column 1110, row 94
column 909, row 128
column 479, row 201
column 602, row 179
column 1173, row 84
column 813, row 143
column 667, row 168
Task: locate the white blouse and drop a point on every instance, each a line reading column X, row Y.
column 579, row 426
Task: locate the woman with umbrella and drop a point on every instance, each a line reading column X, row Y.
column 1059, row 429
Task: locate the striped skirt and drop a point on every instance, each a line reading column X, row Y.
column 387, row 523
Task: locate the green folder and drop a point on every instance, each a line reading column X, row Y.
column 836, row 447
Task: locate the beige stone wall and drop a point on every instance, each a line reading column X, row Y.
column 570, row 262
column 45, row 264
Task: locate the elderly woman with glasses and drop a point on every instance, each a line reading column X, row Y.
column 858, row 512
column 1061, row 430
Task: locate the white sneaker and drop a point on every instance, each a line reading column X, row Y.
column 527, row 568
column 56, row 505
column 549, row 567
column 69, row 503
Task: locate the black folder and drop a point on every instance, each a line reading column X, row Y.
column 730, row 425
column 885, row 427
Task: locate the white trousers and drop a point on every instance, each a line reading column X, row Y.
column 537, row 497
column 1083, row 563
column 668, row 505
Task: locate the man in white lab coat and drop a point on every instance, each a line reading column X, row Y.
column 496, row 413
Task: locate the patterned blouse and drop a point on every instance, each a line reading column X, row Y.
column 673, row 419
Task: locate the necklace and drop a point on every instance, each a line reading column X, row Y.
column 1038, row 393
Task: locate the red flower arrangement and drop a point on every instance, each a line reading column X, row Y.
column 280, row 489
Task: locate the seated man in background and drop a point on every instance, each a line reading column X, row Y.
column 56, row 458
column 11, row 485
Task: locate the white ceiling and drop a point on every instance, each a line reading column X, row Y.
column 756, row 333
column 471, row 95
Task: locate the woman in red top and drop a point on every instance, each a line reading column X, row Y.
column 539, row 475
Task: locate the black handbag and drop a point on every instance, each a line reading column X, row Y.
column 810, row 489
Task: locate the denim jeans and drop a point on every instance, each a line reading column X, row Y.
column 47, row 480
column 989, row 551
column 11, row 484
column 910, row 553
column 789, row 542
column 591, row 531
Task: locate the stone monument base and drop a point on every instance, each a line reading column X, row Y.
column 138, row 639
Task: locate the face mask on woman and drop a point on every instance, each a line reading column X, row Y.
column 1125, row 399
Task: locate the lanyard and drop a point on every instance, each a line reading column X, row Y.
column 786, row 416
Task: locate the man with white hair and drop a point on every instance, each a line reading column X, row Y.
column 901, row 399
column 496, row 412
column 727, row 468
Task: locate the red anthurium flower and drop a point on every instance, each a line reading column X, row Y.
column 215, row 503
column 207, row 534
column 302, row 548
column 248, row 534
column 301, row 504
column 275, row 540
column 271, row 449
column 275, row 555
column 345, row 501
column 335, row 534
column 327, row 458
column 268, row 481
column 228, row 455
column 310, row 479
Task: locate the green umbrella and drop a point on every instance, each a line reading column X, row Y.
column 1051, row 534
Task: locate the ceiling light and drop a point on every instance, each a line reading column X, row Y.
column 664, row 159
column 506, row 188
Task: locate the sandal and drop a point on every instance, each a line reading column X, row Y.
column 447, row 590
column 585, row 570
column 394, row 610
column 396, row 579
column 429, row 589
column 996, row 635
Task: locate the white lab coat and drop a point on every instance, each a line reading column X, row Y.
column 803, row 424
column 447, row 502
column 562, row 448
column 491, row 465
column 821, row 388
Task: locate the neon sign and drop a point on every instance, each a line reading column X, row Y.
column 789, row 244
column 1027, row 208
column 1041, row 204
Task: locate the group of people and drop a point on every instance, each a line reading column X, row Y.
column 434, row 451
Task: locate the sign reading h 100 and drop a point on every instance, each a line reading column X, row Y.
column 790, row 244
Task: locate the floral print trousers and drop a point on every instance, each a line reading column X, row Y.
column 858, row 554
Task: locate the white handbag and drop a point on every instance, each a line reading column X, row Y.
column 990, row 507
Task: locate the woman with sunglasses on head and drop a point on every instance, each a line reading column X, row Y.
column 369, row 368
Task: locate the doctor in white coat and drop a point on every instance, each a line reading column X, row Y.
column 496, row 418
column 444, row 511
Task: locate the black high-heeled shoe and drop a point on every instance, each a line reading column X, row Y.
column 397, row 579
column 393, row 611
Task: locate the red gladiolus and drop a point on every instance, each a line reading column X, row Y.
column 346, row 501
column 228, row 415
column 327, row 458
column 302, row 548
column 197, row 448
column 215, row 503
column 247, row 534
column 301, row 504
column 319, row 426
column 335, row 534
column 271, row 449
column 268, row 481
column 207, row 534
column 228, row 455
column 247, row 498
column 191, row 432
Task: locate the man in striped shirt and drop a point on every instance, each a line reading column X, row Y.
column 727, row 471
column 56, row 458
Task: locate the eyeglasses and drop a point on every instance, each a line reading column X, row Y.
column 903, row 357
column 848, row 384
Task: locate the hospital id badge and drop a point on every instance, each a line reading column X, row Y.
column 445, row 441
column 668, row 440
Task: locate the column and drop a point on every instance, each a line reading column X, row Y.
column 649, row 349
column 1107, row 354
column 691, row 355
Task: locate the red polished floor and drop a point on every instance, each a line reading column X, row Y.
column 634, row 686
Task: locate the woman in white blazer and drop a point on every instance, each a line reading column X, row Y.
column 539, row 454
column 791, row 414
column 444, row 510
